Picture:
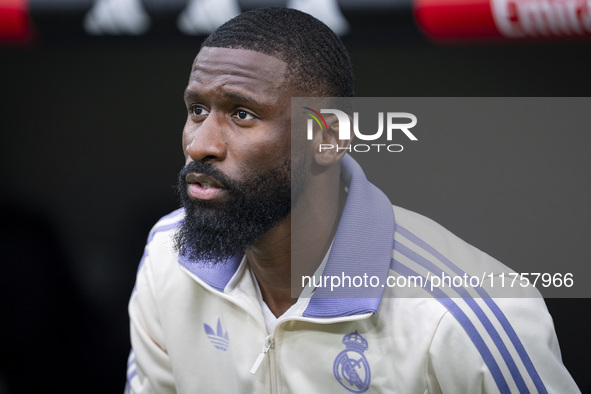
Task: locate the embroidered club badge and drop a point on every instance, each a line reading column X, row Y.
column 351, row 368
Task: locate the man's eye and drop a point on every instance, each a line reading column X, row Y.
column 243, row 115
column 197, row 110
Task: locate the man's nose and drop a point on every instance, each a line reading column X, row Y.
column 206, row 140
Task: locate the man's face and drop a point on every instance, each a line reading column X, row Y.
column 236, row 182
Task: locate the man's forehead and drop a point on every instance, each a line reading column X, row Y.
column 227, row 71
column 239, row 61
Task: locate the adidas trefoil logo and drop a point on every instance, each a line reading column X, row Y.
column 218, row 338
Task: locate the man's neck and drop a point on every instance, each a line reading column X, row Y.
column 300, row 244
column 270, row 261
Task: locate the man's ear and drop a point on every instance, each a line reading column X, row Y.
column 331, row 149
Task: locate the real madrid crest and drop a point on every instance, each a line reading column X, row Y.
column 351, row 368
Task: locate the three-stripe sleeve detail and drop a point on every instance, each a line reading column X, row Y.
column 486, row 313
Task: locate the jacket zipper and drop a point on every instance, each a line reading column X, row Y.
column 272, row 371
column 269, row 343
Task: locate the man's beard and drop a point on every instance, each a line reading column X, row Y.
column 213, row 232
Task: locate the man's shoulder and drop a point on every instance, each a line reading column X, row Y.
column 424, row 247
column 410, row 223
column 432, row 241
column 160, row 242
column 166, row 224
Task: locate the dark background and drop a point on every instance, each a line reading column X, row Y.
column 90, row 150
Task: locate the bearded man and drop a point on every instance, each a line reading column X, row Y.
column 213, row 308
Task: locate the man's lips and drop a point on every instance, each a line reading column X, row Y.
column 203, row 187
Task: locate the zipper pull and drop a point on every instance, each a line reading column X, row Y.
column 268, row 345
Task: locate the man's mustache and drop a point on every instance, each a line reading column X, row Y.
column 209, row 170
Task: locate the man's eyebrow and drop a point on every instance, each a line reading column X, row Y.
column 243, row 98
column 191, row 95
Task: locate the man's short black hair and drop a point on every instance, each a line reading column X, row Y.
column 318, row 62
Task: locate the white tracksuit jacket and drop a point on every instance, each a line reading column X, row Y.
column 199, row 329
